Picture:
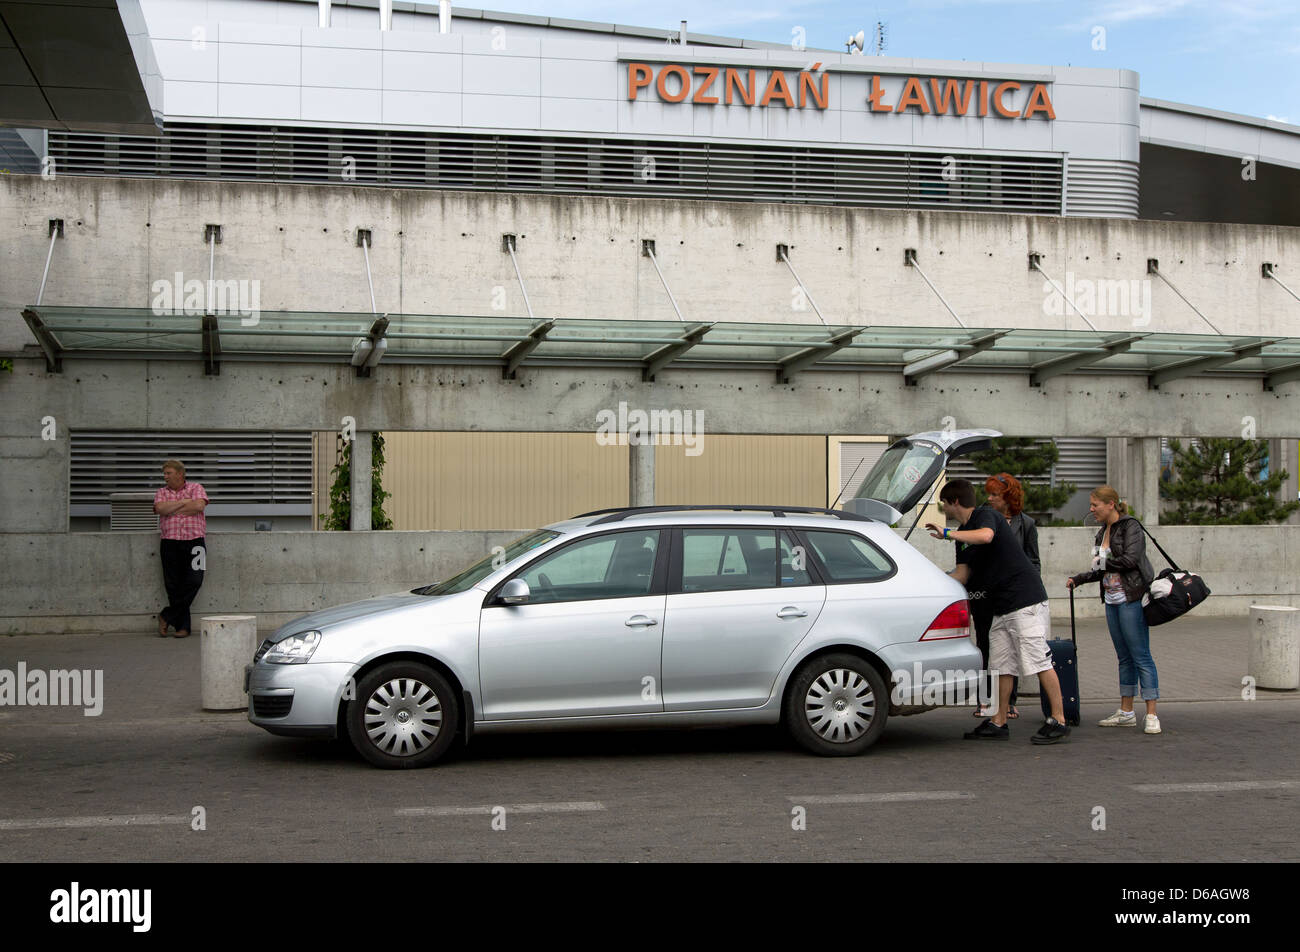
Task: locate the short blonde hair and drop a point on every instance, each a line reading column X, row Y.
column 176, row 465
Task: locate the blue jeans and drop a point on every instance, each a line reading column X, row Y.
column 1132, row 639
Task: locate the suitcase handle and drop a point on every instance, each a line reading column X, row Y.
column 1072, row 636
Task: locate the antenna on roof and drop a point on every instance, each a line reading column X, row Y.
column 881, row 38
column 853, row 45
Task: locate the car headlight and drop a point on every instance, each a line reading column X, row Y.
column 296, row 649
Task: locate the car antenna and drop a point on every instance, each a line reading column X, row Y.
column 850, row 480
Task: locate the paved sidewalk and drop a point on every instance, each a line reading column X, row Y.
column 147, row 677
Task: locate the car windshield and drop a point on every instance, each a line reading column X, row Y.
column 488, row 564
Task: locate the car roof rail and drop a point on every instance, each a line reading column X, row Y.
column 621, row 513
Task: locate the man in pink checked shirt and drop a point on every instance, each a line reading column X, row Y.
column 181, row 522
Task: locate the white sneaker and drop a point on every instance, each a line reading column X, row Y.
column 1119, row 719
column 1152, row 724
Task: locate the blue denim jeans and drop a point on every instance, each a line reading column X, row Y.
column 1132, row 639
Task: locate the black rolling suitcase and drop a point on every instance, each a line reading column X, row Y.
column 1065, row 660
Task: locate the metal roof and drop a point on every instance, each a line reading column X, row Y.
column 653, row 346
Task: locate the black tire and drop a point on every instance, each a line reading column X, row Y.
column 838, row 679
column 412, row 711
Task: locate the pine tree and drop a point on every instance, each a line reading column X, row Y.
column 340, row 514
column 1024, row 458
column 1217, row 482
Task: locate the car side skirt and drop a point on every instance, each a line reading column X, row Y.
column 768, row 714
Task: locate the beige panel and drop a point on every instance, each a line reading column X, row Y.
column 744, row 469
column 485, row 481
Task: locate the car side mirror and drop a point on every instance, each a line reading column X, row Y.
column 515, row 592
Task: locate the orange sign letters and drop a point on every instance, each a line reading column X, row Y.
column 715, row 85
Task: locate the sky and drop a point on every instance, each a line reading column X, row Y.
column 1240, row 56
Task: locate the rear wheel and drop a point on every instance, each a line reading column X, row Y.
column 405, row 715
column 837, row 705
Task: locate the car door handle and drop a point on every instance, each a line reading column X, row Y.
column 640, row 621
column 791, row 612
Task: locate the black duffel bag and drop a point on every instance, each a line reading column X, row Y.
column 1173, row 592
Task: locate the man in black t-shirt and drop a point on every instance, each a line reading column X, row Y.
column 990, row 559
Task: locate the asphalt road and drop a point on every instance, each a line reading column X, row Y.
column 124, row 787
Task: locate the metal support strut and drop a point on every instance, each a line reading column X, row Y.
column 1153, row 267
column 783, row 254
column 363, row 239
column 212, row 235
column 508, row 246
column 1034, row 266
column 909, row 259
column 56, row 230
column 648, row 249
column 1267, row 270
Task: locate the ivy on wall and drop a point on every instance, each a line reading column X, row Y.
column 340, row 514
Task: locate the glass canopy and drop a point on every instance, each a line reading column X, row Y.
column 513, row 342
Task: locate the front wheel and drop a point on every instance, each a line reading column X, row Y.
column 837, row 705
column 405, row 715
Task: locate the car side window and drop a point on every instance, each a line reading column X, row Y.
column 616, row 565
column 847, row 557
column 720, row 560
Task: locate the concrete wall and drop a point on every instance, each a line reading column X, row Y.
column 113, row 582
column 1242, row 565
column 440, row 252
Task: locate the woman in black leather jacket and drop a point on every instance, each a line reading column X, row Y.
column 1120, row 564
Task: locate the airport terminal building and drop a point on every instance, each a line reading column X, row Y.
column 243, row 231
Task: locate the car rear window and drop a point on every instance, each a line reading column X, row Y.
column 847, row 557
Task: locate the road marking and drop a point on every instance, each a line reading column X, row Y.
column 885, row 797
column 578, row 806
column 87, row 822
column 1223, row 787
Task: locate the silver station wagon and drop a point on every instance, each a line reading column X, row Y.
column 669, row 616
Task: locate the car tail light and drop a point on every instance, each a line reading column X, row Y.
column 953, row 622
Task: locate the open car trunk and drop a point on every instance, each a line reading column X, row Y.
column 907, row 471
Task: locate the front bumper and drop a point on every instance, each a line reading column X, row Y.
column 296, row 700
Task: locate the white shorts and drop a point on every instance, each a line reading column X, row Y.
column 1018, row 641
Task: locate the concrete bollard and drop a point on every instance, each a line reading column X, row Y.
column 1275, row 646
column 228, row 643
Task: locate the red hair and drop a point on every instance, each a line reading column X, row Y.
column 1010, row 489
